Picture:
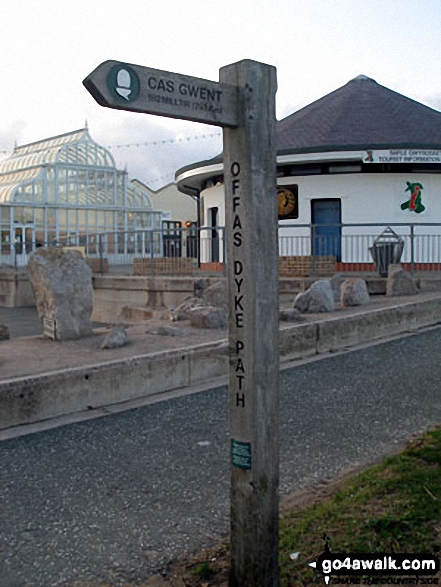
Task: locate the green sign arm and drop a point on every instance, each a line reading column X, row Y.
column 152, row 91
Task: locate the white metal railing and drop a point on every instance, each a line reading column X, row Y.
column 180, row 250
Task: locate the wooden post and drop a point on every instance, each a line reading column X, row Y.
column 253, row 298
column 243, row 103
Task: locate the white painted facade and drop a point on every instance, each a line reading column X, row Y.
column 366, row 198
column 354, row 156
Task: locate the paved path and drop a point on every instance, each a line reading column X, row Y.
column 21, row 321
column 117, row 498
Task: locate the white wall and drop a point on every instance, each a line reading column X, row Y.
column 212, row 198
column 365, row 198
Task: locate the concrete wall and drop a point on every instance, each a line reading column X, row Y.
column 24, row 400
column 15, row 289
column 112, row 293
column 32, row 399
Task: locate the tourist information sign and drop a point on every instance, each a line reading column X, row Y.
column 243, row 103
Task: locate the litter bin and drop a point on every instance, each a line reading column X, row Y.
column 387, row 249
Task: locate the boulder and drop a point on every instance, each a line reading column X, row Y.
column 208, row 317
column 181, row 312
column 354, row 292
column 290, row 315
column 4, row 332
column 318, row 298
column 400, row 282
column 336, row 282
column 216, row 295
column 62, row 284
column 199, row 287
column 116, row 338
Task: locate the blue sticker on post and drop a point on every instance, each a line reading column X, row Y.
column 241, row 454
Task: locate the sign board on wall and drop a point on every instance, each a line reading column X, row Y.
column 403, row 156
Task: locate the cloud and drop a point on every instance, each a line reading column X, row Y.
column 153, row 148
column 11, row 135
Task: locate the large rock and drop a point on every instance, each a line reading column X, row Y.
column 400, row 282
column 354, row 292
column 208, row 317
column 290, row 315
column 336, row 282
column 216, row 295
column 116, row 338
column 318, row 298
column 62, row 284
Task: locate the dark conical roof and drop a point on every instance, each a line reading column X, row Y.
column 360, row 115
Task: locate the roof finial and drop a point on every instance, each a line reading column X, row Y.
column 362, row 78
column 86, row 126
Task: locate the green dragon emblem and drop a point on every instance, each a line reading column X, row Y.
column 414, row 203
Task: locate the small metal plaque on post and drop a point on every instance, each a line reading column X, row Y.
column 241, row 454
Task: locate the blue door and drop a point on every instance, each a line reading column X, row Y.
column 326, row 230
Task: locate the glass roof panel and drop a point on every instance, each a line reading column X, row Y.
column 75, row 147
column 9, row 182
column 137, row 197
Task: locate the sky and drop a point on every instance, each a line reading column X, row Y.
column 48, row 47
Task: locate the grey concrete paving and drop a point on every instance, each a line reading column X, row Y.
column 24, row 321
column 118, row 498
column 21, row 321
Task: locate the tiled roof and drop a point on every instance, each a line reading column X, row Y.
column 361, row 114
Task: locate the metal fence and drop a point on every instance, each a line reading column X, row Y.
column 304, row 249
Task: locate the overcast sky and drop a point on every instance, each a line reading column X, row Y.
column 48, row 47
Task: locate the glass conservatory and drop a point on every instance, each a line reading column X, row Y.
column 67, row 190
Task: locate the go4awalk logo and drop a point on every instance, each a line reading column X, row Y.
column 413, row 204
column 376, row 568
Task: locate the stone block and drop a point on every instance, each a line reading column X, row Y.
column 208, row 317
column 116, row 338
column 62, row 285
column 290, row 315
column 354, row 292
column 400, row 282
column 317, row 299
column 336, row 282
column 216, row 295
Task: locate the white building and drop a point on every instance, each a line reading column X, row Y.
column 362, row 154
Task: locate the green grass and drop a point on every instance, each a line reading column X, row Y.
column 392, row 507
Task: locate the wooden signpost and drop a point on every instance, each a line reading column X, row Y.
column 243, row 103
